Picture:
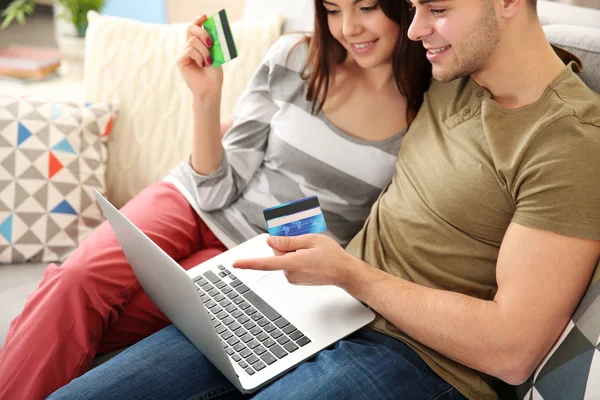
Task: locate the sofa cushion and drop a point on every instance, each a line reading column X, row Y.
column 584, row 42
column 571, row 370
column 133, row 63
column 52, row 154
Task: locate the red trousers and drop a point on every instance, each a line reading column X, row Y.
column 93, row 303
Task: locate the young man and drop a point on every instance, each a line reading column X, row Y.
column 477, row 253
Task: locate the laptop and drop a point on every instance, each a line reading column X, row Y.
column 254, row 326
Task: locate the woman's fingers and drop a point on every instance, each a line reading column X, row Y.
column 200, row 33
column 201, row 48
column 191, row 55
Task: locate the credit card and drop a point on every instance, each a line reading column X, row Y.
column 223, row 48
column 295, row 218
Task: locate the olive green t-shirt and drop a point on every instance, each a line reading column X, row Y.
column 466, row 170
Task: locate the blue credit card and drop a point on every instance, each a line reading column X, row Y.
column 295, row 218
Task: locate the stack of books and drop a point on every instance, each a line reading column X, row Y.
column 28, row 63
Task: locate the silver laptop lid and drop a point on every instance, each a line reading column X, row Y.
column 170, row 288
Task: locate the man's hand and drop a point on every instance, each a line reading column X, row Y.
column 306, row 260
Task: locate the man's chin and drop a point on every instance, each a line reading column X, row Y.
column 444, row 75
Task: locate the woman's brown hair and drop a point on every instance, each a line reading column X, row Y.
column 411, row 68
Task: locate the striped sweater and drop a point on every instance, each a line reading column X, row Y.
column 277, row 151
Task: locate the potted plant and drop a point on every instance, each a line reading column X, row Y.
column 70, row 25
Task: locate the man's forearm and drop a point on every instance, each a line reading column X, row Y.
column 471, row 331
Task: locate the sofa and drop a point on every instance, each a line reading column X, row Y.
column 131, row 65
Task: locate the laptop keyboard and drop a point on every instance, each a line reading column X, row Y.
column 252, row 332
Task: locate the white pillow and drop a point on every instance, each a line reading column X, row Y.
column 132, row 63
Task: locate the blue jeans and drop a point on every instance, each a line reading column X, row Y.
column 365, row 365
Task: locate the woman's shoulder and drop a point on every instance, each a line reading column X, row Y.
column 290, row 51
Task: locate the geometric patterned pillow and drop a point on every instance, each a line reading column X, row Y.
column 571, row 370
column 52, row 154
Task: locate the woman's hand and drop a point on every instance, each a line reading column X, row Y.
column 195, row 63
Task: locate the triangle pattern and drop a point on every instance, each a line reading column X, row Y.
column 6, row 228
column 13, row 109
column 65, row 146
column 56, row 112
column 32, row 173
column 20, row 194
column 35, row 115
column 32, row 155
column 23, row 134
column 64, row 208
column 3, row 141
column 64, row 188
column 54, row 165
column 42, row 196
column 52, row 229
column 44, row 135
column 9, row 163
column 577, row 345
column 28, row 238
column 569, row 380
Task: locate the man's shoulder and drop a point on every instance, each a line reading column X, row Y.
column 573, row 97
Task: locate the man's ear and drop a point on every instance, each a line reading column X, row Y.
column 510, row 8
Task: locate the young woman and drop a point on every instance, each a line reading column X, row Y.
column 324, row 115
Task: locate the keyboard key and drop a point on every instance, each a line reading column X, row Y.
column 228, row 321
column 246, row 353
column 269, row 342
column 237, row 314
column 226, row 335
column 239, row 347
column 278, row 351
column 221, row 329
column 259, row 365
column 268, row 358
column 244, row 304
column 236, row 357
column 249, row 325
column 225, row 303
column 232, row 295
column 261, row 336
column 303, row 341
column 235, row 283
column 294, row 335
column 250, row 311
column 269, row 327
column 220, row 285
column 222, row 268
column 259, row 350
column 242, row 289
column 213, row 292
column 275, row 334
column 219, row 297
column 256, row 317
column 222, row 274
column 262, row 322
column 226, row 289
column 253, row 343
column 222, row 315
column 243, row 364
column 249, row 371
column 252, row 359
column 246, row 338
column 229, row 351
column 230, row 308
column 283, row 340
column 261, row 305
column 255, row 331
column 281, row 322
column 216, row 323
column 211, row 276
column 210, row 304
column 238, row 300
column 289, row 329
column 235, row 326
column 243, row 319
column 233, row 340
column 240, row 332
column 216, row 310
column 290, row 347
column 232, row 276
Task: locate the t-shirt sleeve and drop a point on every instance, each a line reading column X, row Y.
column 558, row 184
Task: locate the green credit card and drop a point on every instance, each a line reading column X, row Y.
column 223, row 48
